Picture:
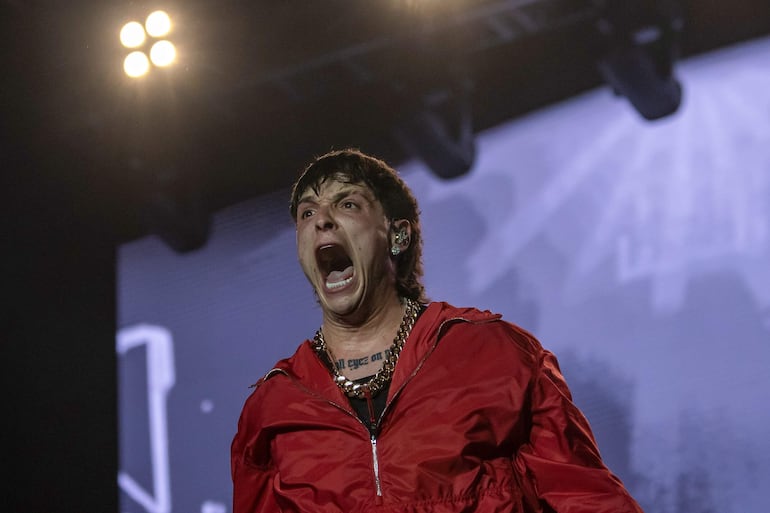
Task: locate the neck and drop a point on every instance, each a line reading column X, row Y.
column 375, row 332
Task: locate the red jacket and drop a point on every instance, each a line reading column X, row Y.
column 478, row 419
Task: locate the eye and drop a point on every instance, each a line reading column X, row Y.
column 347, row 204
column 305, row 213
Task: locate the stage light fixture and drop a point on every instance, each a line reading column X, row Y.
column 638, row 64
column 441, row 136
column 158, row 24
column 136, row 64
column 162, row 53
column 132, row 34
column 634, row 73
column 176, row 211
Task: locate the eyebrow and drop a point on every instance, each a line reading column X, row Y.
column 347, row 191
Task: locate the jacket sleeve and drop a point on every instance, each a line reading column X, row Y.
column 252, row 467
column 560, row 468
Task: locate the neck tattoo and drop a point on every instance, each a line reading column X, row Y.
column 378, row 381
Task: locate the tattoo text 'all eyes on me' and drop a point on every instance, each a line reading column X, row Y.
column 355, row 363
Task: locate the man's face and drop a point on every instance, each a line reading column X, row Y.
column 343, row 243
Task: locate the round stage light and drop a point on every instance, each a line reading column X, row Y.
column 136, row 64
column 158, row 24
column 132, row 34
column 162, row 53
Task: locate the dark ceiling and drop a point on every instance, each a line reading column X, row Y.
column 260, row 87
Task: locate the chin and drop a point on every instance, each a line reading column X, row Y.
column 341, row 303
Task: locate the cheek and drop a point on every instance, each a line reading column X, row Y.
column 306, row 258
column 304, row 253
column 308, row 267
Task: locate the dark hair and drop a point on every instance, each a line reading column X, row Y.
column 353, row 166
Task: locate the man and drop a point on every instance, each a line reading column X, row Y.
column 401, row 405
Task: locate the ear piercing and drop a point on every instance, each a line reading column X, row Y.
column 400, row 238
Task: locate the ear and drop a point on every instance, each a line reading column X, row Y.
column 400, row 235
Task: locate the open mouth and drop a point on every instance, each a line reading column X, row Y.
column 336, row 266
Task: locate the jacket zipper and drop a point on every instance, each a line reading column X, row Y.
column 376, row 466
column 373, row 439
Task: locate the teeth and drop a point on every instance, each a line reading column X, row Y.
column 338, row 284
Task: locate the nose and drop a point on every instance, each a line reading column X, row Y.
column 323, row 219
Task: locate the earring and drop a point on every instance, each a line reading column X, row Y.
column 395, row 250
column 401, row 237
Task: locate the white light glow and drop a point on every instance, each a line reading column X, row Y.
column 162, row 53
column 136, row 64
column 132, row 34
column 158, row 24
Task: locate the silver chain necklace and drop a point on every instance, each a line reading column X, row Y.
column 378, row 381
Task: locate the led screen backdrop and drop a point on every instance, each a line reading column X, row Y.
column 638, row 252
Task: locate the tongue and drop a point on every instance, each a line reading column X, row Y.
column 338, row 276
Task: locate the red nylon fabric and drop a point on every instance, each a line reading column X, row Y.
column 479, row 419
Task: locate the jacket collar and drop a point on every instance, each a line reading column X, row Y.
column 311, row 373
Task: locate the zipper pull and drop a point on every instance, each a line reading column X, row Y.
column 376, row 465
